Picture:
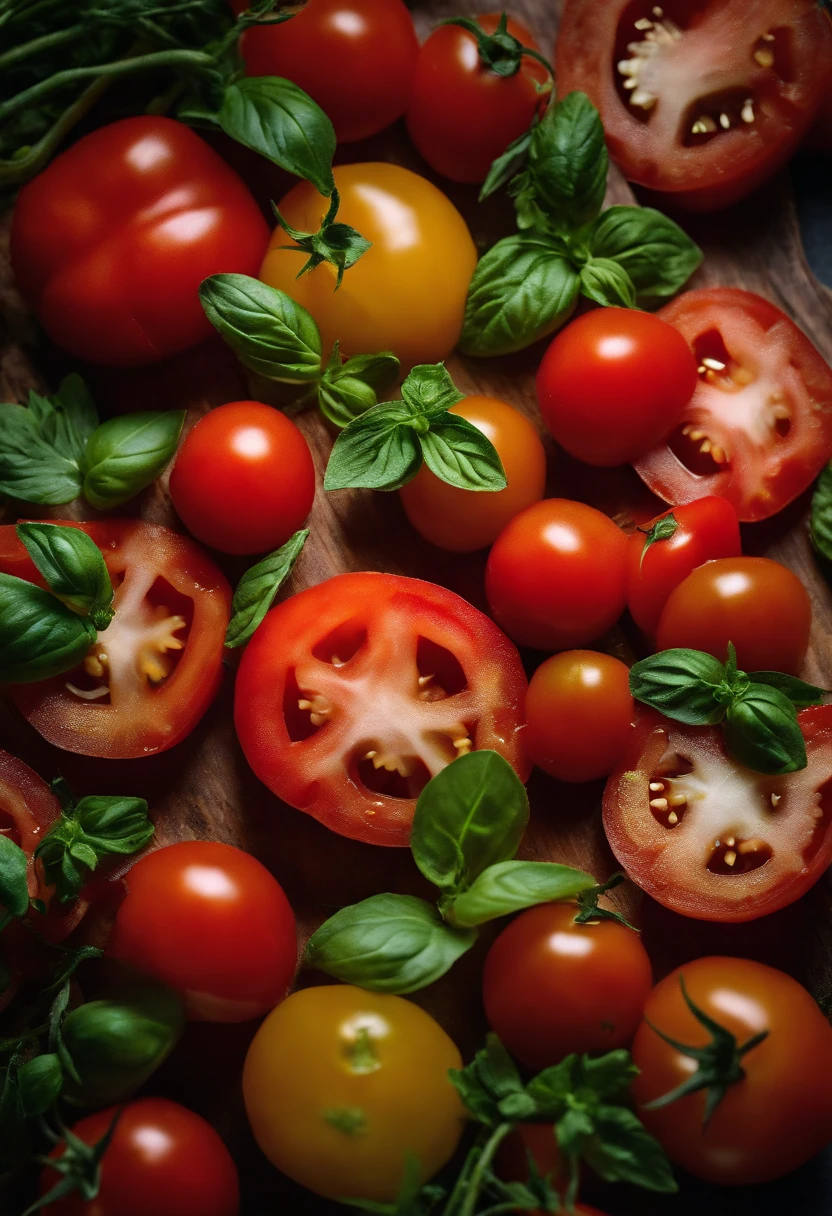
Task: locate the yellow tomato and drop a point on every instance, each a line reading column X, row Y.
column 465, row 520
column 340, row 1085
column 407, row 293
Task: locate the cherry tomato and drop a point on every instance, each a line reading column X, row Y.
column 462, row 115
column 110, row 243
column 352, row 694
column 754, row 602
column 773, row 1119
column 552, row 986
column 407, row 293
column 701, row 102
column 613, row 383
column 162, row 1159
column 465, row 520
column 244, row 480
column 210, row 921
column 341, row 1086
column 758, row 429
column 157, row 666
column 708, row 837
column 659, row 558
column 556, row 575
column 579, row 715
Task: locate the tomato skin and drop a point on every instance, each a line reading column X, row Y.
column 244, row 480
column 707, row 529
column 613, row 383
column 210, row 921
column 555, row 577
column 110, row 243
column 780, row 1115
column 162, row 1158
column 462, row 115
column 462, row 521
column 754, row 602
column 579, row 715
column 407, row 293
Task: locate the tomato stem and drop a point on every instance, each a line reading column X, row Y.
column 479, row 1171
column 500, row 52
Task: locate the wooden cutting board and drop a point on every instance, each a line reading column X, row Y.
column 204, row 788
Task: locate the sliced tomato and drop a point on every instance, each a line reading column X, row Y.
column 351, row 695
column 702, row 99
column 758, row 429
column 711, row 839
column 155, row 669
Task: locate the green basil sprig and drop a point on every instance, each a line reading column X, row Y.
column 257, row 588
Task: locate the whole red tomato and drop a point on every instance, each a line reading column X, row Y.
column 110, row 243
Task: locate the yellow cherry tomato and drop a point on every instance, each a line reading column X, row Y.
column 407, row 293
column 341, row 1085
column 465, row 520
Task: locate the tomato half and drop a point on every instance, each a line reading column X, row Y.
column 341, row 1086
column 701, row 100
column 708, row 837
column 154, row 671
column 775, row 1118
column 110, row 243
column 407, row 293
column 758, row 429
column 465, row 520
column 352, row 694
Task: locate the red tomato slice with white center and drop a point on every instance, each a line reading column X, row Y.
column 758, row 428
column 156, row 667
column 351, row 695
column 708, row 837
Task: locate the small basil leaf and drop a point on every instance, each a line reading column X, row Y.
column 257, row 588
column 376, row 451
column 657, row 255
column 568, row 161
column 487, row 1081
column 39, row 636
column 607, row 283
column 14, row 885
column 622, row 1150
column 267, row 330
column 610, row 1076
column 387, row 943
column 801, row 694
column 428, row 391
column 40, row 1081
column 505, row 166
column 820, row 520
column 460, row 454
column 510, row 886
column 345, row 399
column 42, row 447
column 94, row 828
column 75, row 415
column 73, row 567
column 126, row 454
column 348, row 389
column 681, row 684
column 762, row 732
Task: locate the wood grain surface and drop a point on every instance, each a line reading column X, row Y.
column 204, row 788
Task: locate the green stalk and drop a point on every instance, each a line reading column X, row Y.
column 14, row 172
column 46, row 42
column 483, row 1163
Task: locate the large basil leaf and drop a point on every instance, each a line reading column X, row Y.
column 568, row 161
column 820, row 523
column 126, row 454
column 267, row 330
column 39, row 636
column 512, row 885
column 762, row 732
column 73, row 567
column 656, row 254
column 14, row 884
column 682, row 684
column 378, row 450
column 42, row 446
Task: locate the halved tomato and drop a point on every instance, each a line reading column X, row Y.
column 351, row 695
column 711, row 839
column 702, row 99
column 155, row 669
column 758, row 429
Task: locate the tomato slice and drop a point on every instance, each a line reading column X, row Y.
column 758, row 429
column 156, row 668
column 711, row 839
column 703, row 99
column 351, row 695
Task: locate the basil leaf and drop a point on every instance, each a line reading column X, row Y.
column 608, row 284
column 387, row 943
column 14, row 885
column 820, row 520
column 42, row 447
column 73, row 567
column 460, row 454
column 346, row 390
column 428, row 391
column 801, row 694
column 488, row 1080
column 94, row 828
column 126, row 454
column 657, row 255
column 681, row 684
column 267, row 330
column 74, row 416
column 379, row 450
column 274, row 117
column 257, row 588
column 39, row 636
column 470, row 816
column 522, row 289
column 568, row 161
column 762, row 732
column 40, row 1081
column 510, row 886
column 622, row 1150
column 504, row 167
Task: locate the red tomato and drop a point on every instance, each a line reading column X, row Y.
column 111, row 242
column 552, row 986
column 352, row 694
column 758, row 429
column 162, row 1159
column 702, row 101
column 579, row 715
column 613, row 383
column 244, row 480
column 556, row 575
column 708, row 837
column 754, row 602
column 212, row 922
column 154, row 671
column 775, row 1118
column 465, row 520
column 705, row 529
column 356, row 58
column 462, row 115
